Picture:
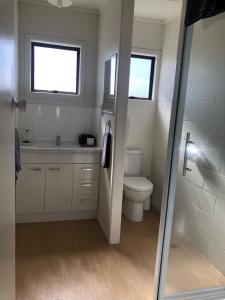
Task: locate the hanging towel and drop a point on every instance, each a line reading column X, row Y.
column 17, row 153
column 106, row 150
column 201, row 9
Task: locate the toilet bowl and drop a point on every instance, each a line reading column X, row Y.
column 137, row 191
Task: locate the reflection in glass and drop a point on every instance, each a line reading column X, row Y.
column 197, row 249
column 110, row 85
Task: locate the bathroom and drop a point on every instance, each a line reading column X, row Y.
column 117, row 190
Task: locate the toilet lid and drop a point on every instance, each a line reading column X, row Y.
column 139, row 184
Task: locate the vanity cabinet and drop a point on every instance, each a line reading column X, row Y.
column 58, row 191
column 57, row 186
column 30, row 189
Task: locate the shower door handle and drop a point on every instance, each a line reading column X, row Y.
column 187, row 143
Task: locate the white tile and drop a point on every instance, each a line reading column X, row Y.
column 158, row 167
column 157, row 196
column 217, row 257
column 220, row 209
column 222, row 171
column 201, row 112
column 214, row 183
column 195, row 175
column 200, row 241
column 160, row 142
column 201, row 90
column 199, row 131
column 47, row 121
column 161, row 125
column 213, row 228
column 196, row 195
column 188, row 210
column 164, row 110
column 208, row 158
column 178, row 223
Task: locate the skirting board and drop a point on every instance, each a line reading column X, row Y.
column 58, row 216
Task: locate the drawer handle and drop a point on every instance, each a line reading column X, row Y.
column 54, row 169
column 87, row 169
column 35, row 169
column 86, row 184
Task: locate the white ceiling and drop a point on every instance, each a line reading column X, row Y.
column 151, row 9
column 92, row 4
column 162, row 10
column 157, row 9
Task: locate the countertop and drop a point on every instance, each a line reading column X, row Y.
column 64, row 147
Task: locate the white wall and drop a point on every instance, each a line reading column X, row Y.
column 115, row 34
column 163, row 108
column 47, row 120
column 148, row 39
column 200, row 197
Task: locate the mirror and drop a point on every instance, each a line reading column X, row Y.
column 110, row 85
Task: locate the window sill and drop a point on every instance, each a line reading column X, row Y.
column 56, row 99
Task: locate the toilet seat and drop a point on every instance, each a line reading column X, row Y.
column 138, row 184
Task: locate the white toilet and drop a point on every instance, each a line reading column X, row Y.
column 137, row 190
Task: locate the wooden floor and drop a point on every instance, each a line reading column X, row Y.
column 71, row 260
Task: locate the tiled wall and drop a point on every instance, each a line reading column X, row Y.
column 200, row 197
column 147, row 39
column 141, row 133
column 163, row 109
column 45, row 122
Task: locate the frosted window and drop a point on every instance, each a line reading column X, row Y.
column 141, row 77
column 55, row 68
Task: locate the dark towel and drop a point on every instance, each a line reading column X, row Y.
column 106, row 150
column 17, row 153
column 201, row 9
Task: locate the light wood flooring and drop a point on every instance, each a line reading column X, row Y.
column 72, row 261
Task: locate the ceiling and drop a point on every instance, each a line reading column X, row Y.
column 93, row 4
column 157, row 9
column 162, row 10
column 151, row 9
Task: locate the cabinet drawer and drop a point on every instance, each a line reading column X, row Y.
column 86, row 171
column 30, row 189
column 87, row 158
column 84, row 202
column 85, row 187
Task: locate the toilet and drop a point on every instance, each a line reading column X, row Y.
column 137, row 190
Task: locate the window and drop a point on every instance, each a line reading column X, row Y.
column 55, row 68
column 142, row 71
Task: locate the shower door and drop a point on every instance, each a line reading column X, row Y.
column 191, row 251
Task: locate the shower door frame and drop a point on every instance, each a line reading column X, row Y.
column 169, row 189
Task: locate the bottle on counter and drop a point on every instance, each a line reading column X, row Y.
column 27, row 139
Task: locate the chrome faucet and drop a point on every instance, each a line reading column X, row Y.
column 58, row 141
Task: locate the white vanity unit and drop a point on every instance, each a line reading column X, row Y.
column 57, row 183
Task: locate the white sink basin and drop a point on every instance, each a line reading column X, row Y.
column 51, row 147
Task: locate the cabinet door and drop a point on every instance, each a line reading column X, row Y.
column 59, row 187
column 30, row 189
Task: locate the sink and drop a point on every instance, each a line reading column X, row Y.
column 50, row 146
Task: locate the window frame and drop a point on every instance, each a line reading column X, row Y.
column 152, row 76
column 54, row 46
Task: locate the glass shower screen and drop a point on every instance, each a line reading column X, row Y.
column 197, row 247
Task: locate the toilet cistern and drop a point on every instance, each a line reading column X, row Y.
column 137, row 189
